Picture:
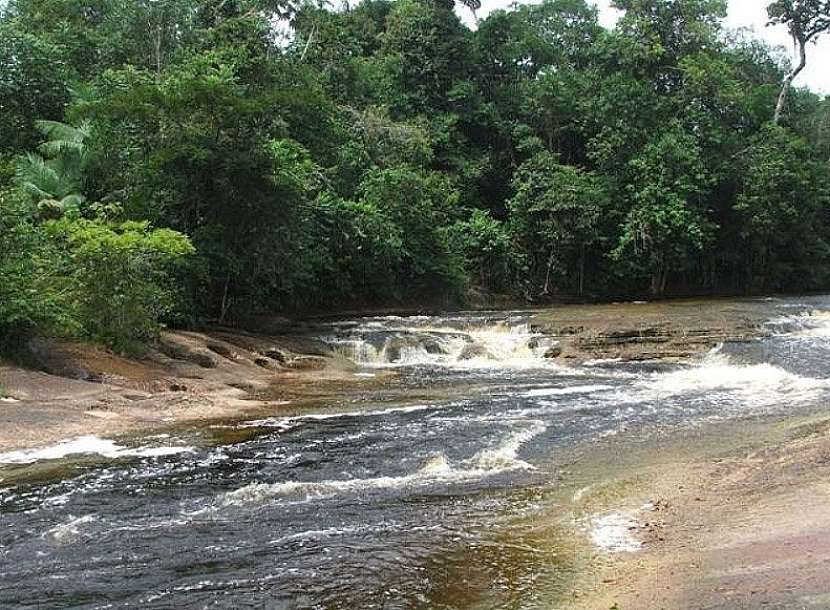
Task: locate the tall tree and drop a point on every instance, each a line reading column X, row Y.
column 806, row 20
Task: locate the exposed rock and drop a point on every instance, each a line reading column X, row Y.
column 474, row 350
column 266, row 363
column 554, row 351
column 307, row 363
column 182, row 347
column 432, row 346
column 222, row 350
column 275, row 354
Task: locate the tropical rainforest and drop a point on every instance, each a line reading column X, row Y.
column 179, row 161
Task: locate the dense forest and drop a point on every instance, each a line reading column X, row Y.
column 174, row 161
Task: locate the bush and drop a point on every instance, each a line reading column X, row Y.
column 418, row 203
column 32, row 294
column 484, row 245
column 362, row 251
column 121, row 277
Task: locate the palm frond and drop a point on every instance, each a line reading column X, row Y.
column 57, row 131
column 44, row 179
column 63, row 139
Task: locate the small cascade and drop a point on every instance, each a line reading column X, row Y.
column 814, row 323
column 387, row 342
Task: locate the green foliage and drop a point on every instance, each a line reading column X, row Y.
column 34, row 83
column 121, row 277
column 483, row 243
column 419, row 204
column 365, row 251
column 32, row 293
column 782, row 195
column 666, row 223
column 387, row 153
column 555, row 216
column 55, row 181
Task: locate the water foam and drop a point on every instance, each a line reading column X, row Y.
column 505, row 455
column 69, row 531
column 436, row 470
column 613, row 533
column 758, row 382
column 287, row 423
column 376, row 344
column 84, row 445
column 578, row 389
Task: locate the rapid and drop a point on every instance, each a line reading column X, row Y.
column 404, row 492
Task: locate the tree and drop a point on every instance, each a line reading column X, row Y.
column 667, row 223
column 806, row 20
column 122, row 277
column 33, row 294
column 419, row 204
column 782, row 194
column 34, row 84
column 483, row 243
column 555, row 214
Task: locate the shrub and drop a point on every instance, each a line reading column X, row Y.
column 121, row 277
column 32, row 292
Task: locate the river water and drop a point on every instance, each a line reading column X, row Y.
column 404, row 492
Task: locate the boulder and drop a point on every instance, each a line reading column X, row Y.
column 474, row 350
column 554, row 351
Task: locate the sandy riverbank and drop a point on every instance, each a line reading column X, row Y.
column 725, row 516
column 81, row 389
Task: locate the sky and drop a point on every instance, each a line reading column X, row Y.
column 750, row 14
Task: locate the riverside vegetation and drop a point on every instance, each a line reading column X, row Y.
column 170, row 161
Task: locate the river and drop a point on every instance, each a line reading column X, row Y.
column 408, row 491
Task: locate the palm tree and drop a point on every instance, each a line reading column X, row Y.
column 54, row 177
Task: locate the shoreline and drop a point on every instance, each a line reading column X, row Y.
column 80, row 389
column 730, row 515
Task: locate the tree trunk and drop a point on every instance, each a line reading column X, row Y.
column 546, row 289
column 782, row 97
column 581, row 269
column 225, row 305
column 659, row 276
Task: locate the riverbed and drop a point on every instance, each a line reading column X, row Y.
column 436, row 478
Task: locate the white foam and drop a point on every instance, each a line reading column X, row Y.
column 84, row 445
column 614, row 533
column 501, row 345
column 286, row 423
column 487, row 462
column 601, row 361
column 505, row 455
column 69, row 531
column 578, row 389
column 436, row 469
column 757, row 382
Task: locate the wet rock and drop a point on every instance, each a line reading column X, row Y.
column 264, row 362
column 181, row 347
column 307, row 363
column 222, row 350
column 433, row 346
column 474, row 350
column 275, row 354
column 393, row 349
column 554, row 351
column 533, row 343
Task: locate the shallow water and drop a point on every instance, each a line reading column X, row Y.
column 381, row 500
